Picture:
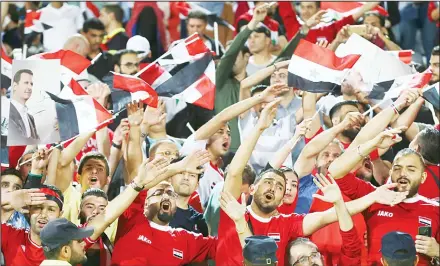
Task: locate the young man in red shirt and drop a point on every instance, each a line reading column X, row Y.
column 416, row 211
column 268, row 192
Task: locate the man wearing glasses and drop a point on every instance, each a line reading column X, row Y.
column 126, row 62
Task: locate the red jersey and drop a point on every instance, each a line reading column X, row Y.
column 142, row 242
column 282, row 228
column 19, row 249
column 327, row 32
column 381, row 219
column 431, row 187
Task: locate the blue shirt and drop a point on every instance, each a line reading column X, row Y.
column 306, row 189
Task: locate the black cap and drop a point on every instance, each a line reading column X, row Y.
column 260, row 250
column 264, row 30
column 398, row 246
column 60, row 232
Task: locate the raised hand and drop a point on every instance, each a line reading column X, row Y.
column 154, row 116
column 271, row 92
column 406, row 98
column 194, row 161
column 331, row 190
column 40, row 161
column 427, row 245
column 282, row 64
column 135, row 113
column 121, row 131
column 268, row 114
column 315, row 19
column 387, row 196
column 231, row 207
column 353, row 119
column 260, row 13
column 26, row 197
column 343, row 34
column 148, row 172
column 99, row 91
column 388, row 138
column 302, row 128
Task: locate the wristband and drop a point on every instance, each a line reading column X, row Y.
column 136, row 187
column 395, row 109
column 117, row 146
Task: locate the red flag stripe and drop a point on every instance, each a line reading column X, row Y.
column 420, row 80
column 195, row 45
column 73, row 61
column 5, row 56
column 30, row 16
column 324, row 57
column 207, row 89
column 132, row 84
column 343, row 7
column 92, row 8
column 152, row 73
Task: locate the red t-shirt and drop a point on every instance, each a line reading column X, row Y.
column 328, row 31
column 381, row 219
column 431, row 7
column 142, row 242
column 430, row 188
column 282, row 228
column 19, row 249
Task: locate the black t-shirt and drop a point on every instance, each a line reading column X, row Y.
column 102, row 66
column 190, row 220
column 118, row 42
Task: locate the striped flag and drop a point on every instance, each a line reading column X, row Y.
column 78, row 112
column 432, row 95
column 6, row 70
column 32, row 22
column 126, row 89
column 317, row 69
column 404, row 55
column 391, row 89
column 73, row 65
column 89, row 10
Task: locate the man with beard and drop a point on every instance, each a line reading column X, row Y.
column 268, row 192
column 434, row 65
column 407, row 174
column 126, row 62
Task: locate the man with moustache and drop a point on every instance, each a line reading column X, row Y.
column 21, row 124
column 434, row 65
column 415, row 211
column 268, row 192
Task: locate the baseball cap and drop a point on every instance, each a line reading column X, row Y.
column 60, row 232
column 139, row 44
column 264, row 30
column 398, row 246
column 260, row 250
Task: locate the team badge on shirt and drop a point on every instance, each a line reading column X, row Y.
column 423, row 221
column 275, row 236
column 178, row 253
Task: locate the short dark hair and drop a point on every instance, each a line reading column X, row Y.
column 12, row 171
column 13, row 13
column 94, row 192
column 93, row 24
column 53, row 254
column 378, row 15
column 405, row 262
column 17, row 75
column 428, row 141
column 337, row 107
column 198, row 15
column 409, row 151
column 270, row 170
column 118, row 55
column 93, row 155
column 180, row 159
column 116, row 10
column 258, row 88
column 249, row 175
column 54, row 189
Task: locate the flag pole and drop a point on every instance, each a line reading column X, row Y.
column 24, row 51
column 95, row 59
column 217, row 50
column 374, row 107
column 160, row 57
column 188, row 125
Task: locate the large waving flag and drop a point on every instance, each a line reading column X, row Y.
column 78, row 112
column 391, row 89
column 33, row 23
column 317, row 69
column 432, row 95
column 6, row 70
column 73, row 65
column 126, row 89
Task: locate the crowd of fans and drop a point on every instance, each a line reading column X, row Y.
column 272, row 176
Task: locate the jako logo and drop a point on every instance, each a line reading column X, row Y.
column 385, row 214
column 144, row 239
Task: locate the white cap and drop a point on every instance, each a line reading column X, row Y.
column 139, row 44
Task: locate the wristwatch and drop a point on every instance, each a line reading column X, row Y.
column 117, row 146
column 136, row 187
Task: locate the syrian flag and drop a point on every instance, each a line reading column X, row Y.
column 391, row 89
column 74, row 66
column 174, row 60
column 126, row 89
column 6, row 70
column 89, row 10
column 432, row 95
column 317, row 69
column 32, row 22
column 404, row 55
column 194, row 84
column 186, row 7
column 78, row 112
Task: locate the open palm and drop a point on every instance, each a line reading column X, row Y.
column 331, row 190
column 231, row 207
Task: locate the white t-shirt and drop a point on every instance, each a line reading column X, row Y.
column 212, row 174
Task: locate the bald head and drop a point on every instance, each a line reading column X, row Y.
column 78, row 44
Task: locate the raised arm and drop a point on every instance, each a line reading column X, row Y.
column 133, row 155
column 233, row 180
column 350, row 159
column 213, row 125
column 365, row 8
column 309, row 109
column 116, row 149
